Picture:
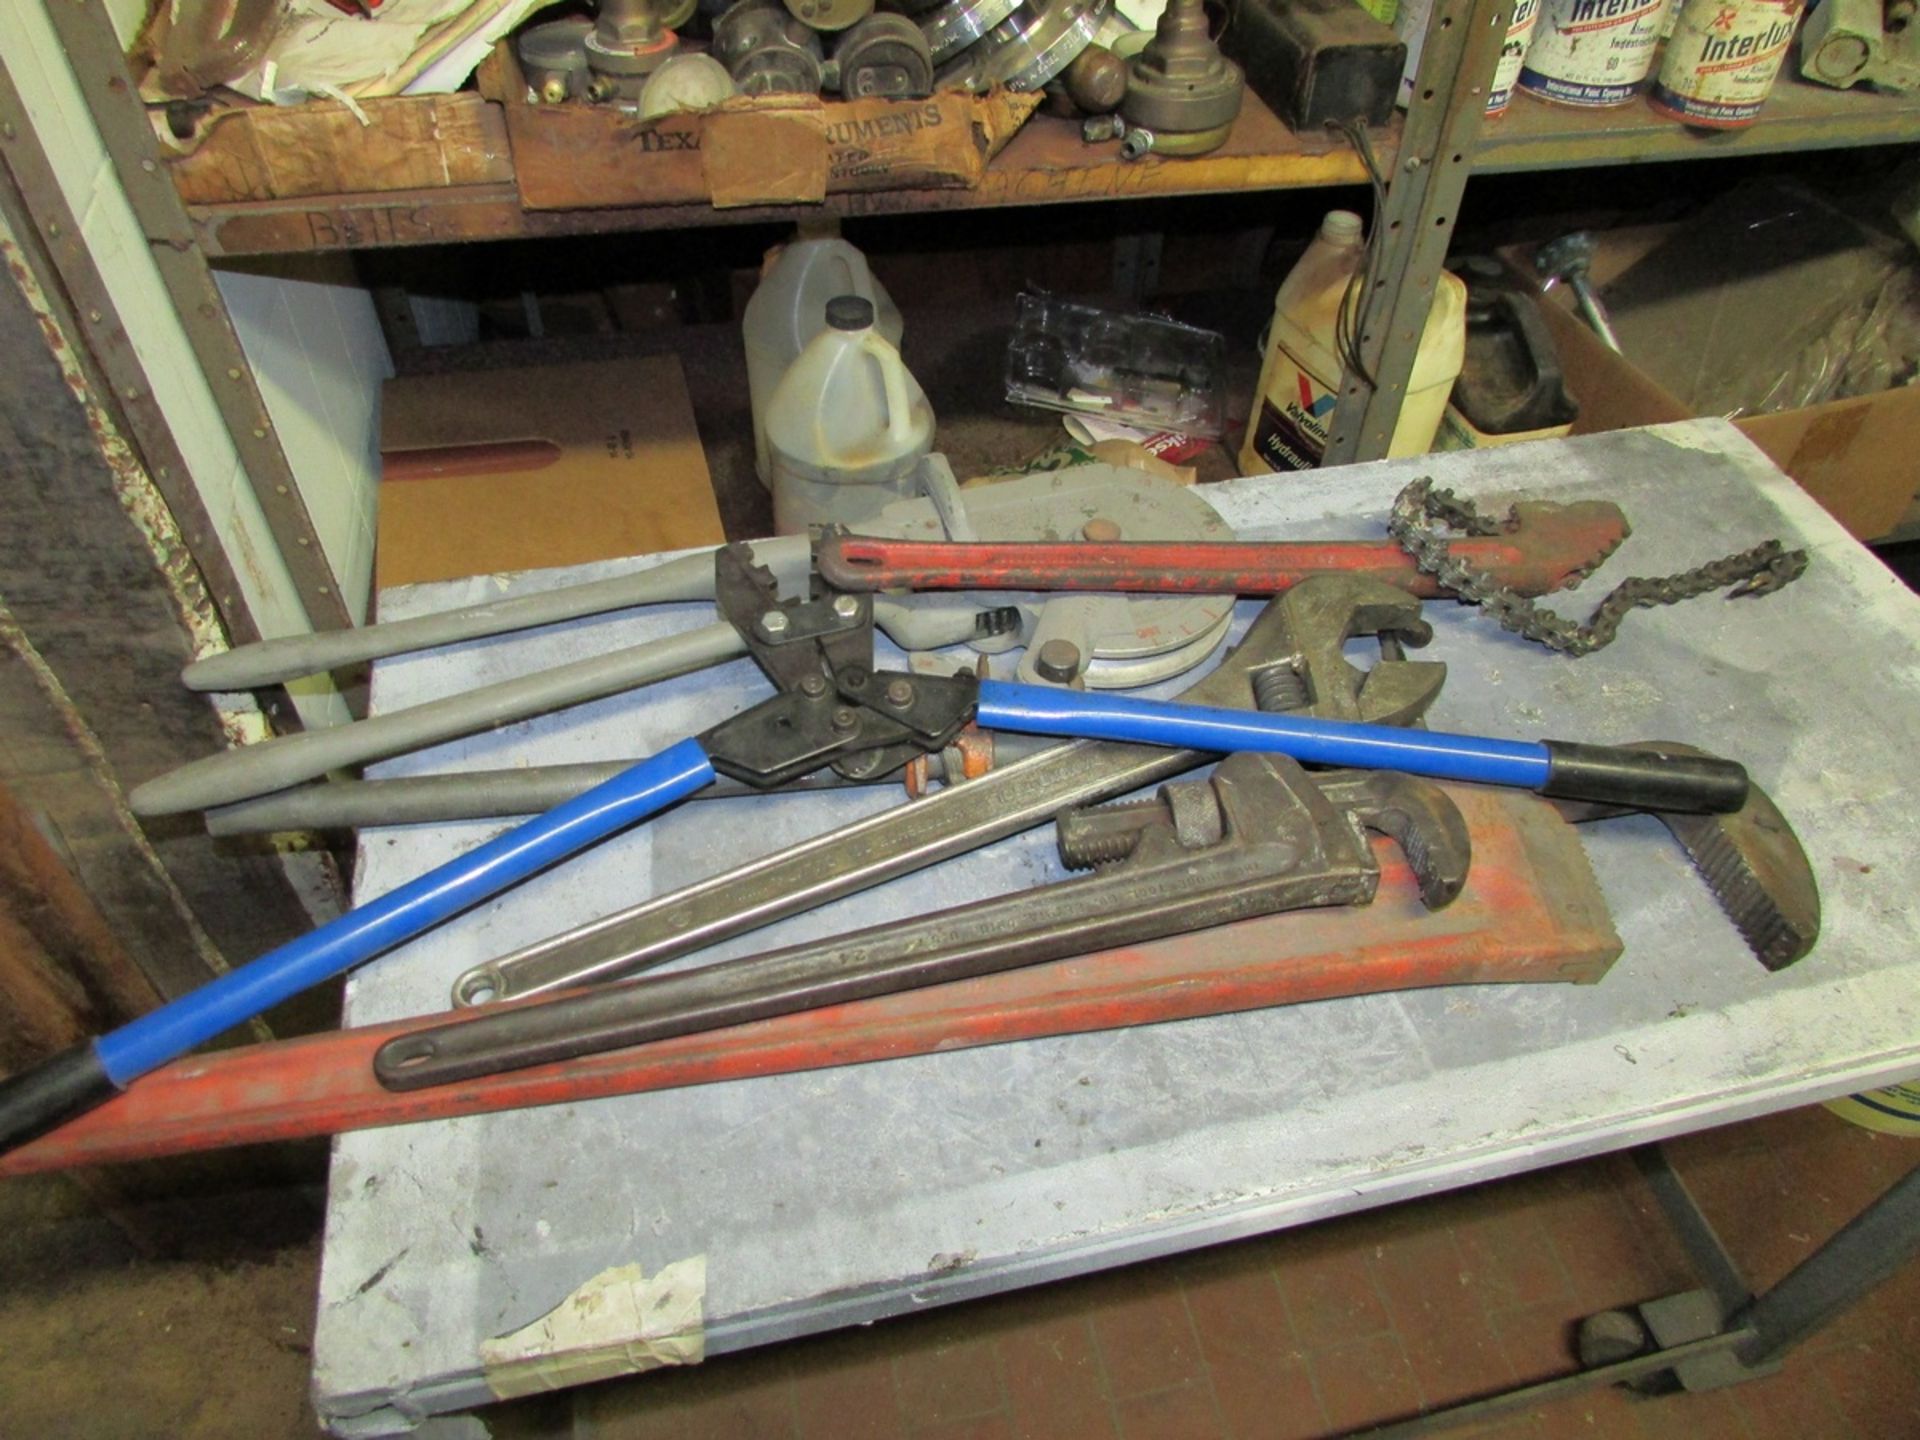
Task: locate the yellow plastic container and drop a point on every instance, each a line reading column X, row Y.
column 1892, row 1110
column 1300, row 377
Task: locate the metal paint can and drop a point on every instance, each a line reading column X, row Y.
column 1526, row 19
column 1592, row 52
column 1723, row 59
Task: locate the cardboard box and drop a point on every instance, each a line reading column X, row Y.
column 753, row 150
column 246, row 151
column 519, row 469
column 1856, row 456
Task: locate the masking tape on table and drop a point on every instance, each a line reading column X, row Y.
column 617, row 1323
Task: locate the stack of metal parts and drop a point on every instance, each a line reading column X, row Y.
column 632, row 56
column 1172, row 93
column 988, row 44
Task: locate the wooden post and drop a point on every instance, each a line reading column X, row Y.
column 58, row 958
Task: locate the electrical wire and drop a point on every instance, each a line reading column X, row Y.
column 1346, row 328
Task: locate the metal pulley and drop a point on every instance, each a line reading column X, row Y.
column 885, row 57
column 1181, row 91
column 829, row 14
column 1100, row 641
column 953, row 26
column 767, row 51
column 1028, row 48
column 553, row 57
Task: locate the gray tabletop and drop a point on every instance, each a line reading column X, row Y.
column 796, row 1203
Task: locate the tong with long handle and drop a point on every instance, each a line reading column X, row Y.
column 1540, row 547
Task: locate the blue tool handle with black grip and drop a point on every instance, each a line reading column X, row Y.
column 1640, row 779
column 53, row 1092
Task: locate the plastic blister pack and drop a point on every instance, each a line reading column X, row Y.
column 1772, row 298
column 1142, row 370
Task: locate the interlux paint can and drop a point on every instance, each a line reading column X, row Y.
column 1592, row 52
column 1526, row 19
column 1722, row 60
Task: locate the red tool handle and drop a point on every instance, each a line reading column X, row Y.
column 1520, row 560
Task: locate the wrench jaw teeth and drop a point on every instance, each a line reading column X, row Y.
column 1751, row 861
column 1758, row 874
column 1416, row 815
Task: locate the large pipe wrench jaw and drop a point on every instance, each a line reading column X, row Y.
column 1751, row 861
column 1265, row 819
column 833, row 706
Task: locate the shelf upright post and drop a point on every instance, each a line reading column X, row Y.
column 105, row 87
column 1424, row 188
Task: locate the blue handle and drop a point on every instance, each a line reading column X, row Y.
column 379, row 925
column 1045, row 710
column 1651, row 776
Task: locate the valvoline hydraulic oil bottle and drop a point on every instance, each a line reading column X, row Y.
column 1300, row 377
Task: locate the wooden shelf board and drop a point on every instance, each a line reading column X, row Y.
column 1535, row 135
column 1047, row 163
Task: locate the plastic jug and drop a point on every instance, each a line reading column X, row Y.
column 1300, row 376
column 789, row 308
column 846, row 426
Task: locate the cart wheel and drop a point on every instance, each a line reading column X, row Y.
column 1610, row 1336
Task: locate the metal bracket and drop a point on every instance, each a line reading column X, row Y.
column 111, row 97
column 819, row 653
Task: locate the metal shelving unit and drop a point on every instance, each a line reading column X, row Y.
column 1047, row 164
column 1430, row 155
column 1799, row 116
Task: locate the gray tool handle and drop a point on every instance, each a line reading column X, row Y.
column 688, row 578
column 492, row 794
column 251, row 770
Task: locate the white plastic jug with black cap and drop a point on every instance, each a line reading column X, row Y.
column 789, row 308
column 846, row 426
